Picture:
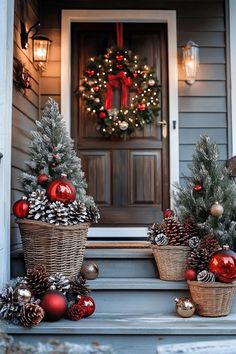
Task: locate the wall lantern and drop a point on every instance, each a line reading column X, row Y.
column 190, row 61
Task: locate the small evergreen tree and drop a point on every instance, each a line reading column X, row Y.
column 208, row 182
column 52, row 153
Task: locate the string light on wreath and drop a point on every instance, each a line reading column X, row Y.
column 120, row 70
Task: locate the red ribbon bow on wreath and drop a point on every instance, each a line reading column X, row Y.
column 113, row 82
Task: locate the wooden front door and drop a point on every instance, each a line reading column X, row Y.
column 128, row 179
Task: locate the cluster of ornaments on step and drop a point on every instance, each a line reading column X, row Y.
column 55, row 205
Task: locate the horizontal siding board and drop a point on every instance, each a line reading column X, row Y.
column 15, row 179
column 213, row 72
column 50, row 85
column 203, row 39
column 191, row 136
column 186, row 152
column 18, row 158
column 25, row 105
column 212, row 55
column 204, row 120
column 53, row 69
column 207, row 24
column 202, row 104
column 202, row 88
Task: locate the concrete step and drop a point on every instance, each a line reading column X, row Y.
column 130, row 334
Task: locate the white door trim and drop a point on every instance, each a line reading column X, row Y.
column 142, row 16
column 6, row 62
column 232, row 61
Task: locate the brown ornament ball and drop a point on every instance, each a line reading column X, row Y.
column 185, row 307
column 89, row 270
column 217, row 209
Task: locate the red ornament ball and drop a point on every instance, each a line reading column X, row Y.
column 223, row 264
column 53, row 164
column 21, row 208
column 198, row 187
column 76, row 312
column 42, row 179
column 190, row 274
column 168, row 213
column 135, row 74
column 119, row 57
column 96, row 88
column 87, row 303
column 61, row 190
column 142, row 106
column 119, row 66
column 102, row 115
column 90, row 72
column 54, row 304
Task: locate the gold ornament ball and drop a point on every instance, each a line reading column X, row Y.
column 151, row 82
column 89, row 270
column 185, row 307
column 22, row 294
column 217, row 209
column 123, row 125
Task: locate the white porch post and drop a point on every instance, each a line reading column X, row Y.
column 232, row 48
column 6, row 59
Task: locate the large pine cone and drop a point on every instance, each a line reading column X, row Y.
column 77, row 213
column 92, row 214
column 31, row 315
column 57, row 214
column 9, row 308
column 191, row 228
column 37, row 280
column 37, row 205
column 59, row 282
column 175, row 232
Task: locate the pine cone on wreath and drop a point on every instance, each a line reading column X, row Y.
column 9, row 308
column 77, row 213
column 76, row 312
column 92, row 214
column 60, row 282
column 175, row 232
column 57, row 214
column 78, row 286
column 37, row 280
column 190, row 227
column 37, row 205
column 31, row 315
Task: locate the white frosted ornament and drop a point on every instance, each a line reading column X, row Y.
column 123, row 125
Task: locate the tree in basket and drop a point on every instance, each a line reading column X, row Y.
column 208, row 198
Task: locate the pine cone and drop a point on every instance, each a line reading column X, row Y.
column 37, row 205
column 193, row 242
column 153, row 232
column 210, row 243
column 205, row 276
column 78, row 286
column 37, row 280
column 76, row 312
column 9, row 307
column 92, row 214
column 31, row 315
column 57, row 214
column 77, row 213
column 190, row 227
column 175, row 232
column 58, row 281
column 161, row 240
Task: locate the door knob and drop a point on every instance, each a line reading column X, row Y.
column 163, row 124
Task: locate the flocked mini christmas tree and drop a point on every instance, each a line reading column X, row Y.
column 208, row 196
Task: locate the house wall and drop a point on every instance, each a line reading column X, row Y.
column 202, row 106
column 25, row 109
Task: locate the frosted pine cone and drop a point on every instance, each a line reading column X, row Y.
column 193, row 242
column 78, row 286
column 58, row 281
column 9, row 308
column 77, row 213
column 37, row 205
column 31, row 315
column 57, row 214
column 92, row 214
column 205, row 276
column 161, row 240
column 153, row 231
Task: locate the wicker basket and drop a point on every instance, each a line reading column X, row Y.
column 171, row 261
column 212, row 299
column 58, row 248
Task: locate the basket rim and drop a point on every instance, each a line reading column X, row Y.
column 215, row 284
column 51, row 226
column 170, row 247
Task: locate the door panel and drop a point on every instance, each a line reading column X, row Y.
column 129, row 179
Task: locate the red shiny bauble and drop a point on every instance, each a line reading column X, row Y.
column 168, row 213
column 87, row 303
column 119, row 57
column 61, row 190
column 223, row 264
column 90, row 72
column 198, row 187
column 96, row 88
column 139, row 91
column 135, row 74
column 54, row 304
column 119, row 66
column 142, row 106
column 53, row 164
column 42, row 179
column 21, row 208
column 190, row 274
column 102, row 115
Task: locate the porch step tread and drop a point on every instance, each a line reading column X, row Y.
column 130, row 253
column 135, row 284
column 132, row 324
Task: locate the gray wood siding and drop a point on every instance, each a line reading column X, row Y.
column 202, row 106
column 25, row 109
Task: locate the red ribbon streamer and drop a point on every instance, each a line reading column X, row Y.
column 119, row 35
column 113, row 81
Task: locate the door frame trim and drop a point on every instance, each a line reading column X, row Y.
column 142, row 16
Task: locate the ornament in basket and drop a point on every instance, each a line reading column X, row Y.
column 55, row 213
column 170, row 246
